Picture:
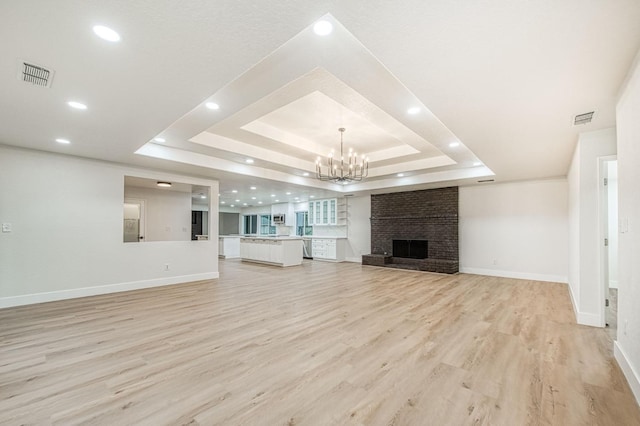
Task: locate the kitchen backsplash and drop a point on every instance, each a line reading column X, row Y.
column 330, row 231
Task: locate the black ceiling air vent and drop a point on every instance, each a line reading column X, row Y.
column 35, row 74
column 583, row 118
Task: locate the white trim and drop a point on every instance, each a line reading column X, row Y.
column 357, row 259
column 518, row 275
column 582, row 318
column 29, row 299
column 628, row 370
column 593, row 320
column 574, row 302
column 613, row 284
column 603, row 232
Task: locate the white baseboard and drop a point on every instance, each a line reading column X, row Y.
column 517, row 275
column 583, row 318
column 592, row 320
column 627, row 369
column 574, row 302
column 30, row 299
column 353, row 259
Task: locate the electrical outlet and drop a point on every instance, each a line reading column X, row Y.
column 495, row 261
column 6, row 227
column 166, row 266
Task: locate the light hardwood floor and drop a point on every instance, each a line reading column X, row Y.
column 318, row 344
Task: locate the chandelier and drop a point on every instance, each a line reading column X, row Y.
column 343, row 170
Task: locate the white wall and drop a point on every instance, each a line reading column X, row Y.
column 358, row 227
column 627, row 349
column 66, row 214
column 516, row 230
column 167, row 213
column 573, row 179
column 584, row 238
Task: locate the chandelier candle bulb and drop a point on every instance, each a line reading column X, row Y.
column 351, row 171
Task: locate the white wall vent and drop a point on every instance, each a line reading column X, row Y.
column 35, row 74
column 583, row 118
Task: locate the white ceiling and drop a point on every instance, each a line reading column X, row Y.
column 502, row 78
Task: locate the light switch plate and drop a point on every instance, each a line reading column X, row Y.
column 6, row 227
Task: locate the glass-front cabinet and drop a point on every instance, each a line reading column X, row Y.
column 327, row 212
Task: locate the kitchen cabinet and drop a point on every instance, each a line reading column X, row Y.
column 229, row 247
column 285, row 251
column 330, row 212
column 327, row 248
column 286, row 209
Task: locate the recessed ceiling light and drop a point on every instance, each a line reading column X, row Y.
column 106, row 33
column 400, row 174
column 249, row 161
column 161, row 140
column 259, row 202
column 323, row 28
column 252, row 187
column 76, row 105
column 203, row 196
column 235, row 191
column 273, row 195
column 164, row 184
column 413, row 110
column 477, row 163
column 223, row 202
column 454, row 144
column 212, row 105
column 63, row 141
column 305, row 174
column 288, row 193
column 231, row 205
column 237, row 201
column 312, row 196
column 277, row 201
column 244, row 204
column 297, row 198
column 253, row 198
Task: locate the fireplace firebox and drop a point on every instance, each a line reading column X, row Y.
column 412, row 249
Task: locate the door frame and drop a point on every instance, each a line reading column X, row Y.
column 142, row 230
column 603, row 232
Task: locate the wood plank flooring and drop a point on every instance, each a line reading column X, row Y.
column 318, row 344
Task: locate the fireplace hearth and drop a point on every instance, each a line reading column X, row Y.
column 411, row 249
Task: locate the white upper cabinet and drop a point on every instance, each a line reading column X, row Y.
column 327, row 212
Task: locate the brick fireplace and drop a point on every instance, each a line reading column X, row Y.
column 429, row 215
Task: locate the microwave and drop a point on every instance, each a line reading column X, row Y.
column 278, row 219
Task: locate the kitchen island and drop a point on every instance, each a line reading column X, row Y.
column 280, row 251
column 229, row 246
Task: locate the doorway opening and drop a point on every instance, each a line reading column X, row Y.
column 608, row 196
column 134, row 220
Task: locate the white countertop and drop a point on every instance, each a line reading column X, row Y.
column 311, row 237
column 264, row 237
